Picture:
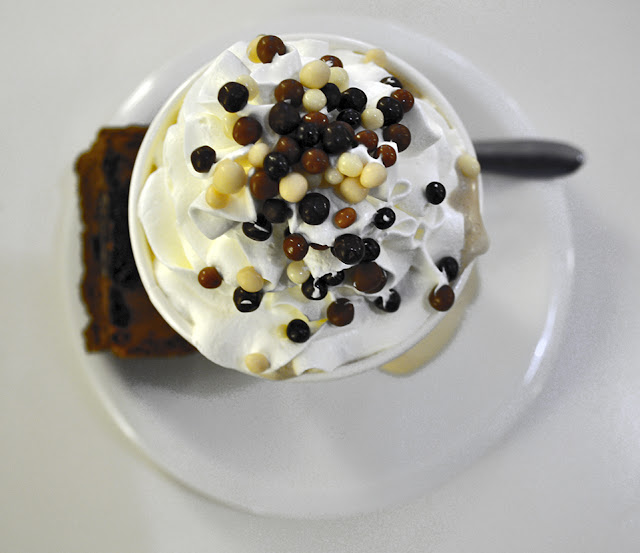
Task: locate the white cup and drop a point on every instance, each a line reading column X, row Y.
column 143, row 255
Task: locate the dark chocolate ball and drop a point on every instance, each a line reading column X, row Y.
column 203, row 158
column 399, row 134
column 336, row 138
column 314, row 289
column 289, row 90
column 259, row 231
column 450, row 267
column 384, row 218
column 350, row 116
column 245, row 301
column 435, row 192
column 348, row 248
column 298, row 331
column 331, row 279
column 353, row 98
column 332, row 94
column 276, row 210
column 275, row 165
column 283, row 118
column 233, row 96
column 392, row 81
column 391, row 109
column 340, row 312
column 391, row 303
column 314, row 208
column 307, row 134
column 371, row 249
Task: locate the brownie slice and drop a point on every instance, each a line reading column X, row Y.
column 122, row 318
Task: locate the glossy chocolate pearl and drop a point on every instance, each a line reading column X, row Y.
column 353, row 98
column 390, row 304
column 247, row 130
column 275, row 165
column 307, row 134
column 331, row 279
column 348, row 248
column 318, row 118
column 332, row 94
column 262, row 186
column 435, row 193
column 290, row 91
column 369, row 139
column 345, row 217
column 332, row 61
column 387, row 155
column 369, row 277
column 290, row 148
column 245, row 301
column 314, row 289
column 315, row 161
column 233, row 96
column 298, row 331
column 405, row 98
column 314, row 208
column 259, row 230
column 371, row 249
column 209, row 277
column 295, row 247
column 350, row 116
column 276, row 210
column 392, row 81
column 336, row 138
column 319, row 247
column 283, row 118
column 268, row 46
column 203, row 158
column 340, row 312
column 399, row 134
column 391, row 110
column 449, row 266
column 384, row 218
column 442, row 298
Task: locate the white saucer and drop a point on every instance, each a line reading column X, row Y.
column 372, row 440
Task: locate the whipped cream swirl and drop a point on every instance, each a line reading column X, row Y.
column 186, row 234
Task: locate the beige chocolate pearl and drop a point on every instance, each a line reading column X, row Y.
column 298, row 272
column 339, row 77
column 315, row 74
column 333, row 176
column 252, row 49
column 372, row 118
column 293, row 187
column 314, row 100
column 377, row 56
column 257, row 363
column 349, row 164
column 469, row 165
column 249, row 279
column 250, row 83
column 352, row 191
column 373, row 174
column 216, row 199
column 229, row 177
column 257, row 153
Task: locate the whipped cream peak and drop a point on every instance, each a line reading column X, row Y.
column 350, row 275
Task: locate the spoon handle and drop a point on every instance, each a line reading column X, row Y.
column 528, row 157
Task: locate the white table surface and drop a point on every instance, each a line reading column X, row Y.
column 566, row 477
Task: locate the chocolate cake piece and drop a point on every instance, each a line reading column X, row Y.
column 122, row 318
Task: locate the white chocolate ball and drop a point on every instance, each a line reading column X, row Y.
column 215, row 199
column 468, row 165
column 314, row 100
column 373, row 174
column 352, row 191
column 298, row 272
column 333, row 176
column 229, row 177
column 257, row 153
column 257, row 362
column 293, row 187
column 249, row 279
column 315, row 74
column 372, row 119
column 377, row 56
column 339, row 77
column 350, row 165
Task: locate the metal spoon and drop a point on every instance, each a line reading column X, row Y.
column 532, row 158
